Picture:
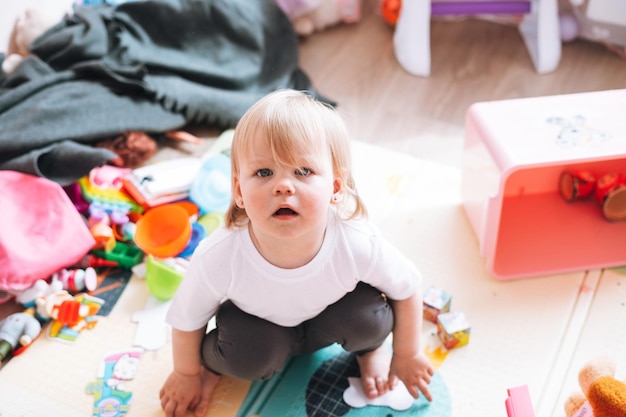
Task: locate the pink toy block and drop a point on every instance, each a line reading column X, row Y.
column 518, row 403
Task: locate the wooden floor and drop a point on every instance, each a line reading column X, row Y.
column 471, row 60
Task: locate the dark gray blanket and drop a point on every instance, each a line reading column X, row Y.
column 151, row 66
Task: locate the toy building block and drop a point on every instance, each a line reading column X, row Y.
column 126, row 255
column 436, row 301
column 518, row 403
column 453, row 329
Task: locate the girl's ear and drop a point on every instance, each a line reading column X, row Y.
column 237, row 197
column 337, row 190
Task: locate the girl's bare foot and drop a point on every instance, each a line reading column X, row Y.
column 209, row 383
column 374, row 368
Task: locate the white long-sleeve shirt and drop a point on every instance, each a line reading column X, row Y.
column 227, row 266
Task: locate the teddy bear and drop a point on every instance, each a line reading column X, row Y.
column 29, row 24
column 309, row 16
column 602, row 394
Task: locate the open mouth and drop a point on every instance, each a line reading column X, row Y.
column 285, row 212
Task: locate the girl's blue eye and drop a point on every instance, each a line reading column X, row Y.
column 304, row 172
column 264, row 172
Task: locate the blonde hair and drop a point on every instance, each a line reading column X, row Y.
column 292, row 123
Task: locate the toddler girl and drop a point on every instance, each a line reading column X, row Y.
column 295, row 268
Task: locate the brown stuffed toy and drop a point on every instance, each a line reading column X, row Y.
column 29, row 25
column 601, row 391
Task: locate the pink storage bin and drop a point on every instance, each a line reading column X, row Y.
column 514, row 153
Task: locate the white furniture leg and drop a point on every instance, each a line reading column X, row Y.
column 540, row 31
column 411, row 39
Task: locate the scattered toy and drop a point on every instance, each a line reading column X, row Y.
column 399, row 398
column 111, row 398
column 152, row 330
column 602, row 394
column 453, row 329
column 436, row 301
column 518, row 402
column 16, row 330
column 69, row 314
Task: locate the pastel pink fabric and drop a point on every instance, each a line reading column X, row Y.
column 40, row 230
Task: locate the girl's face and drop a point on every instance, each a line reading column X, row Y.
column 284, row 202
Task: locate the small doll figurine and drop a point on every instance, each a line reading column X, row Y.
column 18, row 329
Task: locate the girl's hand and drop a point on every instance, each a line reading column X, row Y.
column 180, row 393
column 414, row 371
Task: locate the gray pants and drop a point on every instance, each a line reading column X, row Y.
column 248, row 347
